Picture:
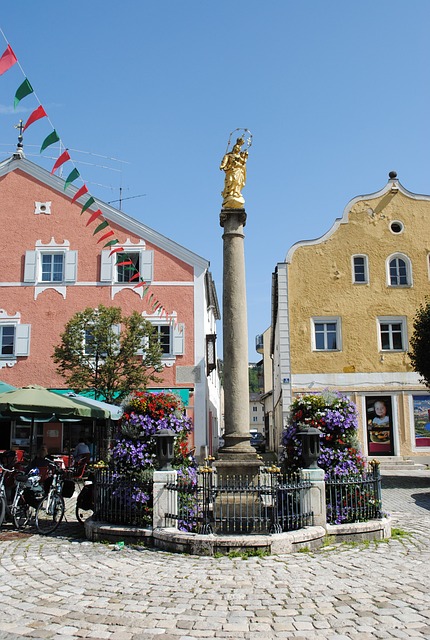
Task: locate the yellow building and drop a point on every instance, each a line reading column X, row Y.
column 343, row 310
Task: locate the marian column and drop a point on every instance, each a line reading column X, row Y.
column 237, row 456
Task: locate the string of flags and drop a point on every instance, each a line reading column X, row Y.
column 7, row 60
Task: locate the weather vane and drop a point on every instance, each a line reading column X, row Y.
column 20, row 127
column 234, row 165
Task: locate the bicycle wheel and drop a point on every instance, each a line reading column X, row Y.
column 83, row 514
column 2, row 509
column 21, row 513
column 49, row 513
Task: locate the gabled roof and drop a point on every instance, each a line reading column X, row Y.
column 393, row 186
column 19, row 162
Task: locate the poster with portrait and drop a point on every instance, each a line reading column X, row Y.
column 422, row 420
column 379, row 417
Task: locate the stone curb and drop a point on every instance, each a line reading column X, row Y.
column 173, row 540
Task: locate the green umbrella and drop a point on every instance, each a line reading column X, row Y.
column 37, row 401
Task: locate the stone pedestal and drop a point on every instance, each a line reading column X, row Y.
column 162, row 504
column 315, row 500
column 237, row 457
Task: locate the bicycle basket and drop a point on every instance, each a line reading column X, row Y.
column 33, row 495
column 68, row 489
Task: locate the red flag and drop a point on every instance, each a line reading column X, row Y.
column 94, row 216
column 115, row 250
column 136, row 275
column 106, row 235
column 36, row 115
column 122, row 264
column 7, row 60
column 61, row 160
column 79, row 193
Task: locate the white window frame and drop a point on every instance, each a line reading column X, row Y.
column 326, row 320
column 21, row 343
column 109, row 271
column 33, row 266
column 366, row 268
column 177, row 336
column 391, row 320
column 408, row 265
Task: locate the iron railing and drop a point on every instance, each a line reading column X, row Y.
column 123, row 498
column 235, row 504
column 354, row 498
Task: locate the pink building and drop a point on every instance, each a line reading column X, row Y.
column 51, row 266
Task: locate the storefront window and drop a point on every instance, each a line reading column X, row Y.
column 422, row 420
column 379, row 415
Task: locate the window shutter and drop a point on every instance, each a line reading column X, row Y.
column 147, row 265
column 70, row 265
column 145, row 343
column 178, row 339
column 22, row 339
column 30, row 266
column 106, row 266
column 116, row 330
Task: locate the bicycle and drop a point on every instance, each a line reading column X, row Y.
column 4, row 507
column 28, row 495
column 50, row 510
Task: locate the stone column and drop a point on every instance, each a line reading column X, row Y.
column 162, row 503
column 237, row 456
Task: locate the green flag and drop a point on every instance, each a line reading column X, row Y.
column 101, row 226
column 72, row 176
column 51, row 139
column 88, row 204
column 23, row 90
column 111, row 243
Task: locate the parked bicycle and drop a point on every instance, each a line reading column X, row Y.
column 27, row 495
column 51, row 508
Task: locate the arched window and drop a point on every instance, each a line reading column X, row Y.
column 399, row 271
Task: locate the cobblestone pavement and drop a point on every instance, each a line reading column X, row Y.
column 65, row 587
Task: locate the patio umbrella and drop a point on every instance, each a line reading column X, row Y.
column 39, row 403
column 115, row 412
column 5, row 387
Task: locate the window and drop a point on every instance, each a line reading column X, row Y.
column 254, row 408
column 7, row 340
column 360, row 274
column 399, row 271
column 14, row 338
column 392, row 334
column 52, row 267
column 120, row 269
column 326, row 334
column 254, row 419
column 89, row 346
column 164, row 338
column 127, row 265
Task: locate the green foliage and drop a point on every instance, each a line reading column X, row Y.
column 420, row 342
column 254, row 383
column 111, row 366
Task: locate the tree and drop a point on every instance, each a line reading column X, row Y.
column 113, row 354
column 420, row 343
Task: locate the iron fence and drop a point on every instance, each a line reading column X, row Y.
column 236, row 504
column 123, row 498
column 354, row 498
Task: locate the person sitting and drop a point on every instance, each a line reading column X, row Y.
column 81, row 456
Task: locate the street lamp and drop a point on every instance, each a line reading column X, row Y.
column 164, row 448
column 310, row 439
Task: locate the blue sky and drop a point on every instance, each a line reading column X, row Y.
column 336, row 94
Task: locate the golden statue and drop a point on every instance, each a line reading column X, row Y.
column 234, row 165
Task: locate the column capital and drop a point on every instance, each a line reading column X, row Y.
column 229, row 213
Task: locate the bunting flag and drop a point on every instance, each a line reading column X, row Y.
column 36, row 115
column 82, row 191
column 111, row 242
column 141, row 284
column 73, row 175
column 23, row 90
column 61, row 160
column 51, row 139
column 94, row 216
column 88, row 204
column 7, row 60
column 116, row 250
column 136, row 275
column 101, row 226
column 123, row 263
